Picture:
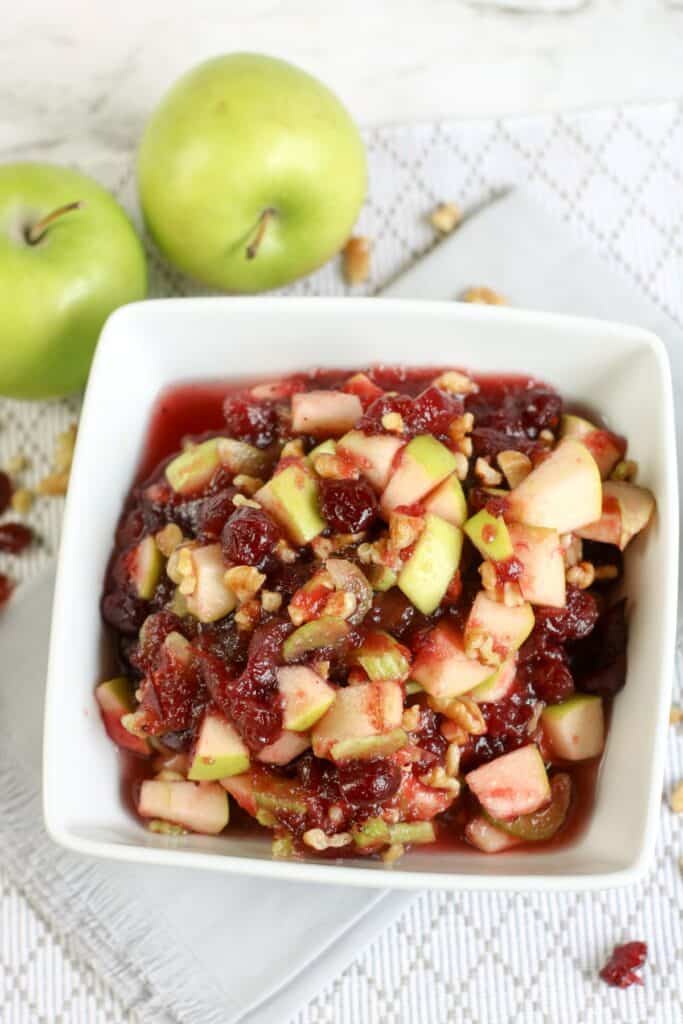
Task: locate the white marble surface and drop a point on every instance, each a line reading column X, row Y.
column 95, row 68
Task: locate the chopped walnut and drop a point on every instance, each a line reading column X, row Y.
column 284, row 552
column 625, row 469
column 393, row 853
column 411, row 718
column 393, row 421
column 249, row 485
column 452, row 759
column 17, row 464
column 467, row 714
column 677, row 799
column 461, row 426
column 515, row 465
column 271, row 601
column 239, row 501
column 489, row 576
column 336, row 814
column 245, row 581
column 322, row 668
column 581, row 575
column 547, row 437
column 457, row 383
column 133, row 723
column 485, row 472
column 22, row 500
column 439, row 779
column 322, row 547
column 180, row 568
column 248, row 615
column 532, row 724
column 404, row 530
column 333, row 467
column 480, row 646
column 675, row 715
column 168, row 539
column 484, row 296
column 356, row 257
column 367, row 554
column 342, row 604
column 462, row 466
column 319, row 840
column 445, row 217
column 54, row 484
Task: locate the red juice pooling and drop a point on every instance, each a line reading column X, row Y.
column 305, row 630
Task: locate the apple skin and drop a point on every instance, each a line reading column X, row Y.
column 239, row 135
column 56, row 294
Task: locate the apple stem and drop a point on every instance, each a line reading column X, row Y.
column 35, row 233
column 261, row 227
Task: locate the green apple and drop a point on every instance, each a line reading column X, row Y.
column 514, row 784
column 490, row 536
column 424, row 463
column 218, row 752
column 363, row 722
column 291, row 498
column 251, row 173
column 68, row 258
column 425, row 577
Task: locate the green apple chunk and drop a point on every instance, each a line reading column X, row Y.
column 543, row 570
column 325, row 448
column 275, row 140
column 419, row 832
column 505, row 627
column 626, row 510
column 448, row 501
column 562, row 493
column 211, row 598
column 425, row 576
column 490, row 536
column 499, row 685
column 241, row 789
column 305, row 696
column 381, row 577
column 70, row 256
column 514, row 784
column 240, row 457
column 364, row 721
column 443, row 669
column 423, row 464
column 146, row 564
column 545, row 823
column 200, row 807
column 575, row 729
column 382, row 657
column 325, row 413
column 327, row 631
column 278, row 795
column 285, row 748
column 193, row 468
column 291, row 497
column 115, row 700
column 373, row 455
column 218, row 751
column 487, row 838
column 605, row 447
column 373, row 832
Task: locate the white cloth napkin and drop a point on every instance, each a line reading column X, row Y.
column 194, row 948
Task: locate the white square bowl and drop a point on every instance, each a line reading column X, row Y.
column 621, row 371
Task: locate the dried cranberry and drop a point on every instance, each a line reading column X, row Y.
column 6, row 588
column 249, row 420
column 14, row 537
column 5, row 491
column 371, row 421
column 572, row 622
column 132, row 527
column 249, row 537
column 156, row 628
column 224, row 640
column 123, row 611
column 599, row 662
column 551, row 679
column 366, row 783
column 392, row 612
column 620, row 969
column 507, row 722
column 604, row 555
column 541, row 409
column 430, row 741
column 495, row 504
column 214, row 512
column 349, row 506
column 258, row 721
column 432, row 412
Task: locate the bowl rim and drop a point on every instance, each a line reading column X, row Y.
column 337, row 872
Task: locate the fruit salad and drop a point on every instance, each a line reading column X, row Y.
column 370, row 610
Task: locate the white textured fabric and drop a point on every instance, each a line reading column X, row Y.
column 615, row 178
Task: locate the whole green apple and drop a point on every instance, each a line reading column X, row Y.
column 251, row 173
column 68, row 257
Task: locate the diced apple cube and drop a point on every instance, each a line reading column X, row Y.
column 575, row 729
column 363, row 721
column 193, row 468
column 427, row 573
column 490, row 536
column 562, row 493
column 499, row 685
column 443, row 669
column 325, row 413
column 487, row 838
column 327, row 631
column 305, row 696
column 418, row 832
column 240, row 457
column 146, row 563
column 494, row 629
column 285, row 748
column 241, row 789
column 626, row 510
column 200, row 807
column 605, row 447
column 382, row 657
column 115, row 700
column 514, row 784
column 448, row 501
column 218, row 751
column 417, row 802
column 423, row 464
column 291, row 497
column 373, row 455
column 211, row 598
column 543, row 577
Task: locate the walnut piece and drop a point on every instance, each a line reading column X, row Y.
column 675, row 715
column 677, row 799
column 356, row 257
column 456, row 383
column 245, row 581
column 17, row 464
column 445, row 217
column 404, row 530
column 239, row 501
column 485, row 472
column 168, row 539
column 271, row 601
column 515, row 465
column 22, row 500
column 484, row 296
column 393, row 421
column 581, row 575
column 319, row 840
column 248, row 615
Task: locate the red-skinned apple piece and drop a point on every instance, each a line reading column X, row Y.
column 561, row 493
column 626, row 510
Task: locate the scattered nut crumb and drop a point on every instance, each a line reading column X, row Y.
column 457, row 383
column 445, row 217
column 284, row 552
column 322, row 547
column 271, row 601
column 486, row 473
column 22, row 500
column 581, row 575
column 677, row 799
column 356, row 256
column 239, row 501
column 484, row 296
column 17, row 464
column 626, row 469
column 393, row 421
column 244, row 581
column 489, row 576
column 675, row 715
column 64, row 448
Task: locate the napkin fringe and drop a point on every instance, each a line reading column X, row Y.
column 94, row 914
